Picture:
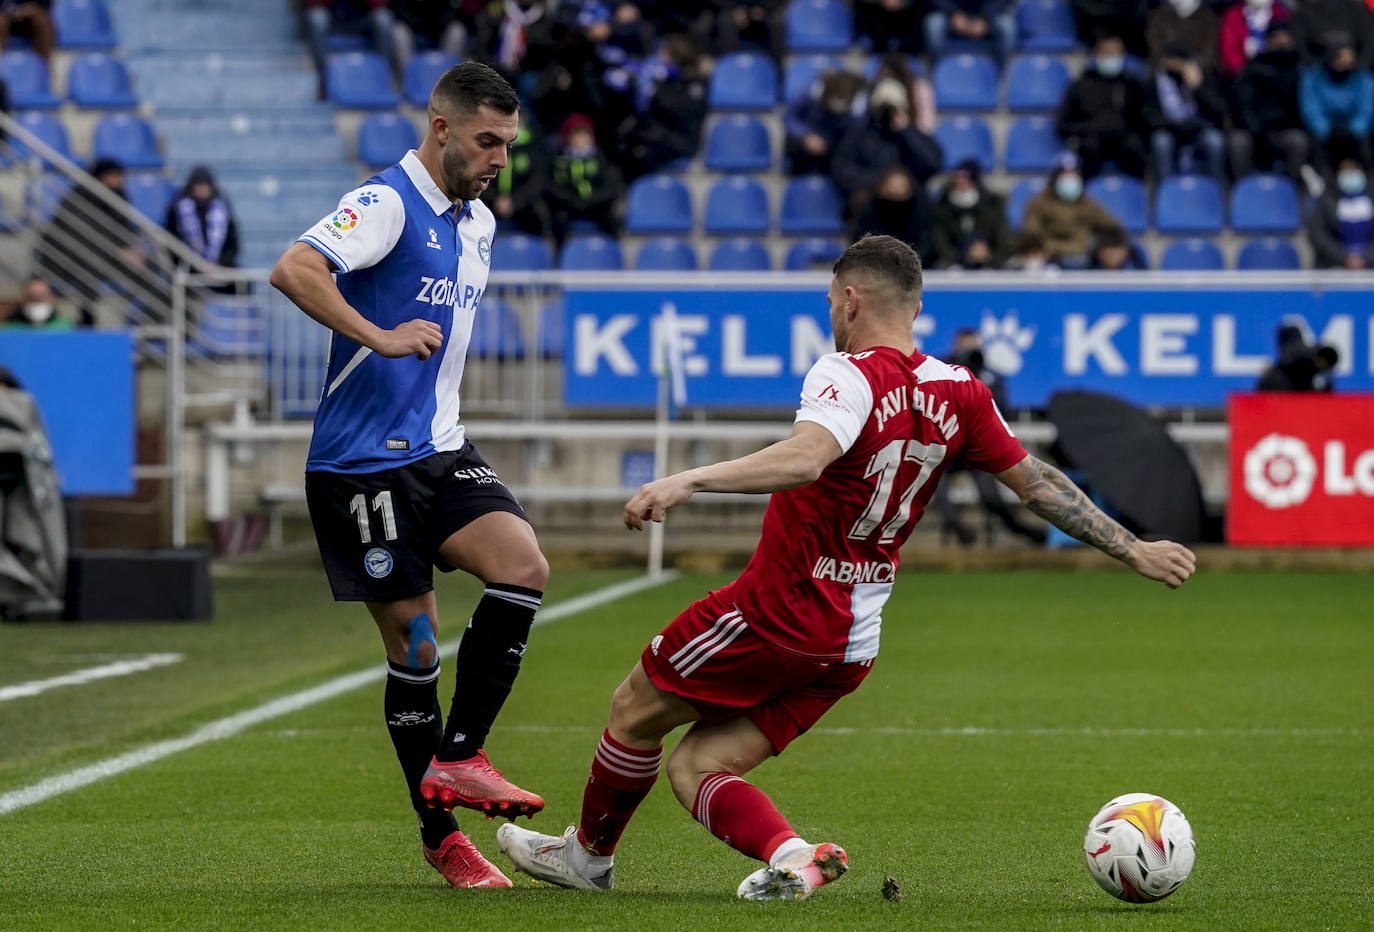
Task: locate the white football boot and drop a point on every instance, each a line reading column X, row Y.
column 557, row 860
column 796, row 876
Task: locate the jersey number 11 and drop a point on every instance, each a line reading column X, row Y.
column 381, row 502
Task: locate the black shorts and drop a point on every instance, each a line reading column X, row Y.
column 380, row 532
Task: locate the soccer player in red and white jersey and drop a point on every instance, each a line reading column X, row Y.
column 755, row 664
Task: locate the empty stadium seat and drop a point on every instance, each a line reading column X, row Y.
column 496, row 331
column 150, row 195
column 1046, row 26
column 100, row 81
column 1188, row 204
column 1032, row 145
column 964, row 138
column 737, row 205
column 666, row 254
column 811, row 204
column 384, row 138
column 591, row 252
column 801, row 71
column 1268, row 253
column 423, row 71
column 82, row 24
column 360, row 81
column 520, row 252
column 127, row 138
column 1194, row 254
column 1036, row 82
column 26, row 77
column 741, row 254
column 738, row 143
column 965, row 82
column 1019, row 197
column 658, row 204
column 913, row 62
column 818, row 26
column 48, row 128
column 1265, row 204
column 1124, row 196
column 814, row 252
column 744, row 81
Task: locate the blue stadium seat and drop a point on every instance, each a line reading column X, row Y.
column 1268, row 253
column 738, row 143
column 1046, row 26
column 226, row 328
column 1032, row 145
column 150, row 195
column 811, row 205
column 1194, row 254
column 965, row 82
column 496, row 331
column 666, row 254
column 914, row 62
column 741, row 254
column 422, row 72
column 591, row 252
column 814, row 252
column 1124, row 196
column 737, row 205
column 801, row 71
column 744, row 81
column 384, row 138
column 1036, row 83
column 1265, row 204
column 100, row 81
column 360, row 81
column 47, row 128
column 658, row 204
column 129, row 139
column 26, row 77
column 520, row 252
column 82, row 24
column 1188, row 204
column 818, row 26
column 964, row 138
column 1020, row 196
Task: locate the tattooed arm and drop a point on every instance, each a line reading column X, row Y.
column 1049, row 493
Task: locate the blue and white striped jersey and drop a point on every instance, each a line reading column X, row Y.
column 403, row 251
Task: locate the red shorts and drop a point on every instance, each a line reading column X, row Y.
column 711, row 659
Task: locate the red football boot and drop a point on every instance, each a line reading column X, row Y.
column 463, row 865
column 476, row 784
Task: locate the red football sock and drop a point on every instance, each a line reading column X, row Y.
column 621, row 777
column 741, row 815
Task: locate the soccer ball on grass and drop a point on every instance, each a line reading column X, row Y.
column 1139, row 848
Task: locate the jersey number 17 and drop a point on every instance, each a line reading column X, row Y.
column 884, row 464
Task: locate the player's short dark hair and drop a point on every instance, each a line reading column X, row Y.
column 471, row 85
column 884, row 257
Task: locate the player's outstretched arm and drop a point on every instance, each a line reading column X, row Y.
column 1050, row 494
column 787, row 464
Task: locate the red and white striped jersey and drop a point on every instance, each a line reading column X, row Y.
column 827, row 557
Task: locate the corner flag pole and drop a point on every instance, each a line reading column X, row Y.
column 672, row 393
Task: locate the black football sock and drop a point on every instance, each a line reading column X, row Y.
column 487, row 663
column 416, row 727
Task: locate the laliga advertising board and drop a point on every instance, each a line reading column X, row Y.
column 1302, row 470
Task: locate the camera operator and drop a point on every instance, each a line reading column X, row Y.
column 1299, row 365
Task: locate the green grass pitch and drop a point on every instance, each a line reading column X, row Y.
column 1004, row 710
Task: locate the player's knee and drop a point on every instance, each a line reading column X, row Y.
column 686, row 770
column 422, row 649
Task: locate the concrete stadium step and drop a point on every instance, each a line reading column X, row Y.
column 216, row 123
column 194, row 31
column 187, row 90
column 254, row 149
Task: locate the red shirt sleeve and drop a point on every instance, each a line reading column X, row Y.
column 991, row 446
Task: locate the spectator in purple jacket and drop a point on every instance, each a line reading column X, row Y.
column 971, row 20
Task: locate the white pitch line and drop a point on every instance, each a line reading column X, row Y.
column 233, row 724
column 89, row 675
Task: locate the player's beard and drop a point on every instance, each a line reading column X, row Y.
column 459, row 177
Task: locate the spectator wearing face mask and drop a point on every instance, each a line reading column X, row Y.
column 1065, row 219
column 969, row 226
column 1106, row 112
column 816, row 120
column 1341, row 224
column 1337, row 101
column 37, row 309
column 1188, row 118
column 882, row 139
column 201, row 219
column 920, row 94
column 583, row 184
column 899, row 209
column 1243, row 28
column 1189, row 24
column 1268, row 121
column 1315, row 20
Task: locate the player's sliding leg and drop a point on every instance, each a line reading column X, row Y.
column 500, row 549
column 415, row 724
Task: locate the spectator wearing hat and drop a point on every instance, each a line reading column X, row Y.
column 1243, row 28
column 883, row 138
column 1191, row 24
column 920, row 93
column 817, row 119
column 1268, row 120
column 201, row 219
column 1341, row 223
column 1337, row 102
column 583, row 185
column 1190, row 111
column 1066, row 219
column 969, row 223
column 898, row 208
column 1107, row 112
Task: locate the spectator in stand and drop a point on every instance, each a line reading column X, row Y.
column 890, row 25
column 816, row 120
column 883, row 138
column 38, row 309
column 920, row 94
column 898, row 208
column 31, row 19
column 1188, row 23
column 1031, row 254
column 1243, row 28
column 373, row 18
column 1337, row 101
column 969, row 223
column 583, row 186
column 1122, row 18
column 1113, row 251
column 516, row 38
column 971, row 20
column 1188, row 119
column 1269, row 124
column 440, row 23
column 1065, row 219
column 667, row 125
column 1341, row 223
column 516, row 194
column 201, row 219
column 754, row 26
column 575, row 81
column 1315, row 20
column 1107, row 111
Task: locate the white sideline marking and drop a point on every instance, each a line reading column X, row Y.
column 89, row 675
column 233, row 724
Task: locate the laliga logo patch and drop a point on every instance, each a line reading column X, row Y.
column 378, row 563
column 484, row 250
column 345, row 219
column 1279, row 471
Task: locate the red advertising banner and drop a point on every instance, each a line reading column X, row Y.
column 1302, row 470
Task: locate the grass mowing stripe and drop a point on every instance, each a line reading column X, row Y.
column 89, row 675
column 233, row 724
